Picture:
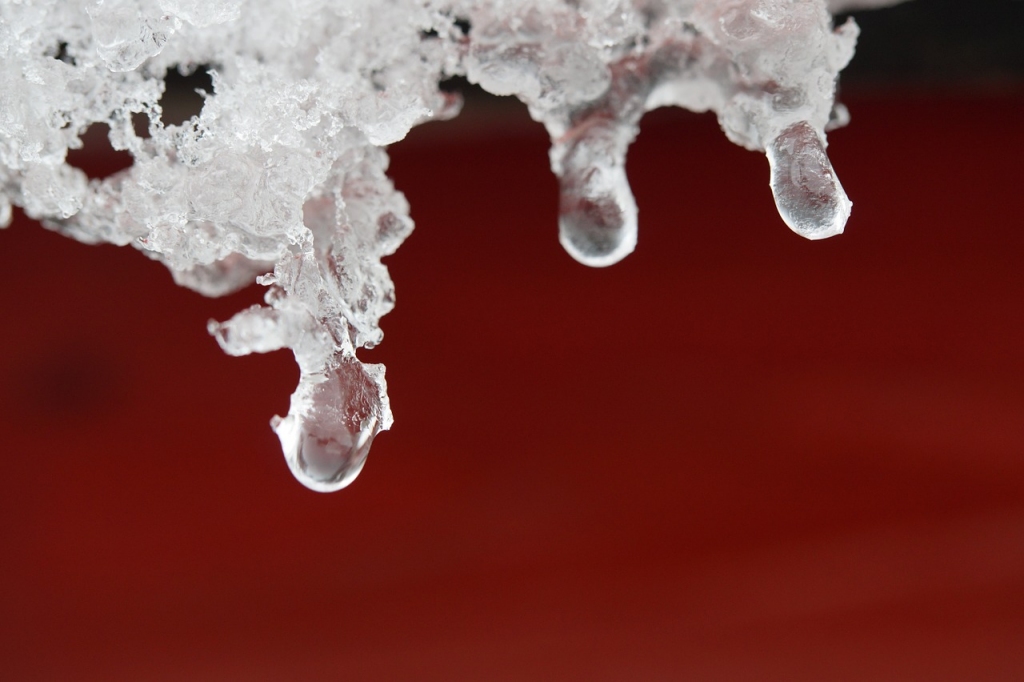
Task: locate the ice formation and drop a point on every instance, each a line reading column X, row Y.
column 281, row 179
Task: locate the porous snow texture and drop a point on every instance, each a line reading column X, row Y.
column 281, row 179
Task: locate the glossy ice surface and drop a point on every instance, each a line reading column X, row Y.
column 281, row 179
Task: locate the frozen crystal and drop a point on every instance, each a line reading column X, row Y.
column 5, row 211
column 809, row 197
column 281, row 178
column 332, row 421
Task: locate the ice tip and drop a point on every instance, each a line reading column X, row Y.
column 334, row 416
column 807, row 192
column 324, row 461
column 597, row 222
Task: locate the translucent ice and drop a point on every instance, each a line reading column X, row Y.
column 332, row 421
column 809, row 197
column 597, row 214
column 281, row 178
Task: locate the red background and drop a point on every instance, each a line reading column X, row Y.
column 737, row 455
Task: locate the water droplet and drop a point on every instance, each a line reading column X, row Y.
column 597, row 219
column 332, row 422
column 807, row 192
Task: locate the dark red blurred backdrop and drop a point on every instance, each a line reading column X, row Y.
column 737, row 455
